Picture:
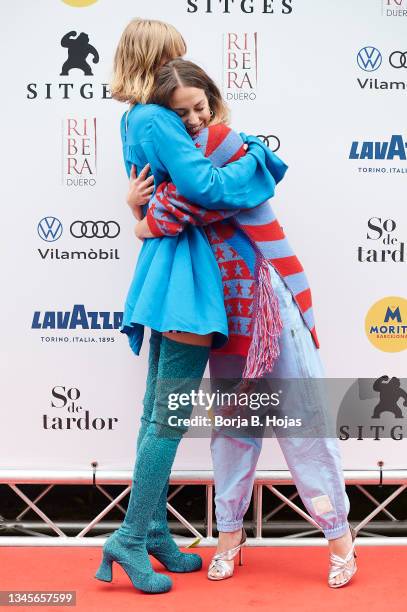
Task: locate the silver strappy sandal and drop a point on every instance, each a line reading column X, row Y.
column 346, row 565
column 218, row 569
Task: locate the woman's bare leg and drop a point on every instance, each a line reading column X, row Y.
column 188, row 338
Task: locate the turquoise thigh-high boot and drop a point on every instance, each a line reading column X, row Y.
column 180, row 370
column 160, row 543
column 149, row 395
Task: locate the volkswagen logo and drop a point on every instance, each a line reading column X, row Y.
column 271, row 141
column 95, row 229
column 369, row 59
column 49, row 229
column 398, row 59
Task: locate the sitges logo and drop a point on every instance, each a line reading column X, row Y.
column 77, row 58
column 374, row 409
column 227, row 7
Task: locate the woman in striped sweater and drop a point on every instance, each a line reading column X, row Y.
column 271, row 326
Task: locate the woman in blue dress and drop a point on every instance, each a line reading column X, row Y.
column 153, row 134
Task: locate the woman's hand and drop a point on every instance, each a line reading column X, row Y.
column 140, row 190
column 142, row 230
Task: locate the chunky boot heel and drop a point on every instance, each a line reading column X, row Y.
column 131, row 554
column 105, row 569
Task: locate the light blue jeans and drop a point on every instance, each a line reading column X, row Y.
column 314, row 463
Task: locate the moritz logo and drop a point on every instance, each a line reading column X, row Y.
column 79, row 3
column 386, row 324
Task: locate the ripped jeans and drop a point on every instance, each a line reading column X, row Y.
column 314, row 463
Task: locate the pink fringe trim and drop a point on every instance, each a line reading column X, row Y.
column 264, row 348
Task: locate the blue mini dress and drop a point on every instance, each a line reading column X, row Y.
column 177, row 284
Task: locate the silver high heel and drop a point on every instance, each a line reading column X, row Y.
column 346, row 565
column 218, row 569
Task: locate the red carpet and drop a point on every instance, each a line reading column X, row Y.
column 277, row 579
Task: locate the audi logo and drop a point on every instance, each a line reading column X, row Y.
column 271, row 141
column 95, row 229
column 398, row 59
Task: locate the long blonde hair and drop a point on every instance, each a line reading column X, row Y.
column 180, row 72
column 144, row 45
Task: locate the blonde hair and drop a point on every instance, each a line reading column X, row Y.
column 183, row 73
column 144, row 45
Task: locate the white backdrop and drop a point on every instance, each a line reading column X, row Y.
column 306, row 93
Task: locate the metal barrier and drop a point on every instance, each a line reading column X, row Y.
column 264, row 479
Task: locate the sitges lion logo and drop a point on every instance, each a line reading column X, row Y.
column 78, row 50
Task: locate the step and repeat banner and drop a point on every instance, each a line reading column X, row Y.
column 324, row 84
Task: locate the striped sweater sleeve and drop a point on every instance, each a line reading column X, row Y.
column 169, row 212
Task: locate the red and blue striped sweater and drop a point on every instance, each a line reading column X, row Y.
column 243, row 242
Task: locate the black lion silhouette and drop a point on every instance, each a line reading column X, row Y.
column 78, row 50
column 390, row 393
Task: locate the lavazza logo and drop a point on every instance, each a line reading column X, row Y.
column 394, row 8
column 79, row 154
column 75, row 67
column 383, row 246
column 373, row 61
column 227, row 7
column 389, row 156
column 69, row 413
column 77, row 319
column 240, row 66
column 50, row 229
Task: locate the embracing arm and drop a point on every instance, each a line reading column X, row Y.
column 168, row 213
column 242, row 184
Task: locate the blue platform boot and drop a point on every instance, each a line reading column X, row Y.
column 180, row 370
column 160, row 543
